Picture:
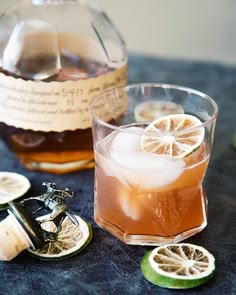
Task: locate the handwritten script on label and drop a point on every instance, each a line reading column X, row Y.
column 52, row 106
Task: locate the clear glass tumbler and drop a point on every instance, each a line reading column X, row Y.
column 152, row 145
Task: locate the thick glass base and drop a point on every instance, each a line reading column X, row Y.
column 53, row 152
column 146, row 240
column 150, row 239
column 58, row 162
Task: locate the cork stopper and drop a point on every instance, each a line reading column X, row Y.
column 18, row 231
column 13, row 238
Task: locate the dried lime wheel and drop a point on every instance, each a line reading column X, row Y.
column 72, row 239
column 151, row 110
column 178, row 266
column 174, row 136
column 12, row 186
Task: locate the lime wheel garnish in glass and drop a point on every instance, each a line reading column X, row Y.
column 151, row 110
column 175, row 136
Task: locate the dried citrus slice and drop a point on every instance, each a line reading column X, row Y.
column 175, row 136
column 12, row 186
column 72, row 239
column 151, row 110
column 234, row 141
column 178, row 266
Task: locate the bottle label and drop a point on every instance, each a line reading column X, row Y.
column 53, row 106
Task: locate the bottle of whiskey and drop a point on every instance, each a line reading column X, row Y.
column 55, row 56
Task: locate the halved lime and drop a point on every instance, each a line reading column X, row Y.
column 72, row 239
column 178, row 266
column 175, row 136
column 151, row 110
column 12, row 186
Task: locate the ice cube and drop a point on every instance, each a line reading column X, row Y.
column 110, row 169
column 146, row 170
column 135, row 168
column 129, row 204
column 126, row 142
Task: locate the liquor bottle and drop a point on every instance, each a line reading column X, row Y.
column 55, row 56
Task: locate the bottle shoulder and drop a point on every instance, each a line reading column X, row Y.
column 39, row 41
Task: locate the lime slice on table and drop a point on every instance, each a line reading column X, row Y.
column 72, row 239
column 174, row 136
column 151, row 110
column 178, row 266
column 234, row 141
column 12, row 186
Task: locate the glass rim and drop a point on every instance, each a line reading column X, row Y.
column 156, row 85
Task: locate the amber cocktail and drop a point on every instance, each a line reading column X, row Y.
column 152, row 146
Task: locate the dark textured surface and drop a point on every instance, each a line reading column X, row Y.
column 109, row 267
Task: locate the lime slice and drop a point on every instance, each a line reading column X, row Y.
column 12, row 186
column 234, row 141
column 178, row 266
column 72, row 239
column 175, row 136
column 151, row 110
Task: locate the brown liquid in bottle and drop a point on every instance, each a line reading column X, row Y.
column 34, row 148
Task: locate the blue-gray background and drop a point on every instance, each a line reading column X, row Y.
column 107, row 266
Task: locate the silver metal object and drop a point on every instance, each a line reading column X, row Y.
column 54, row 201
column 25, row 227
